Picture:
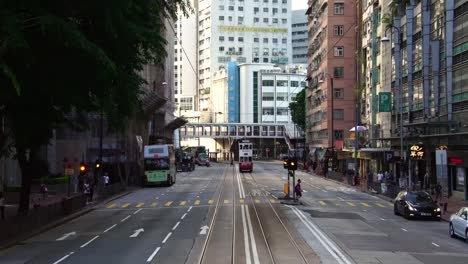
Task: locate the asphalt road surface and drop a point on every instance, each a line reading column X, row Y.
column 218, row 215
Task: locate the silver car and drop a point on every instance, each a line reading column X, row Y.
column 459, row 224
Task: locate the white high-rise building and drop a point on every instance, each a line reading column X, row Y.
column 300, row 33
column 246, row 31
column 185, row 63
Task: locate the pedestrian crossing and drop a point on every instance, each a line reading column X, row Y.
column 198, row 202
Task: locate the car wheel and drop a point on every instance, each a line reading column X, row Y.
column 466, row 235
column 407, row 216
column 452, row 232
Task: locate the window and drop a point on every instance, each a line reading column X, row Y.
column 221, row 18
column 282, row 111
column 275, row 10
column 282, row 83
column 338, row 93
column 338, row 114
column 240, row 20
column 265, row 60
column 338, row 72
column 265, row 10
column 284, row 10
column 268, row 97
column 285, row 1
column 240, row 39
column 284, row 41
column 284, row 21
column 268, row 83
column 338, row 51
column 256, row 40
column 230, row 18
column 294, row 83
column 268, row 111
column 266, row 52
column 221, row 38
column 221, row 7
column 231, row 8
column 339, row 9
column 275, row 21
column 338, row 30
column 256, row 10
column 265, row 1
column 256, row 19
column 282, row 97
column 338, row 134
column 265, row 40
column 221, row 48
column 231, row 38
column 240, row 8
column 265, row 20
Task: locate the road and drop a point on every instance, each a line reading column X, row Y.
column 218, row 215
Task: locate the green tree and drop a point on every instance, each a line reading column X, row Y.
column 298, row 109
column 60, row 60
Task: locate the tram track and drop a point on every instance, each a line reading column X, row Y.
column 261, row 221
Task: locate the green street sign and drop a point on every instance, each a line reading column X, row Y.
column 385, row 101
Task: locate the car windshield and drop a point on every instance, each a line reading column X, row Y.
column 418, row 197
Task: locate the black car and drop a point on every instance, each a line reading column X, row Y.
column 416, row 204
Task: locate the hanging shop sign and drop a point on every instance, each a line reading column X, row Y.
column 385, row 102
column 417, row 152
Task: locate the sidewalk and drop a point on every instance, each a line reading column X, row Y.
column 454, row 203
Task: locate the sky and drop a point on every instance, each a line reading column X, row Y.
column 299, row 4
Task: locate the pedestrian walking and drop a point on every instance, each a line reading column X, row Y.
column 380, row 177
column 298, row 189
column 2, row 205
column 87, row 192
column 105, row 178
column 44, row 191
column 438, row 197
column 370, row 180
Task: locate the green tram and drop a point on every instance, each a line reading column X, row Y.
column 159, row 165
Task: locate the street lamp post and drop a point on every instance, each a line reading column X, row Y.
column 332, row 119
column 398, row 85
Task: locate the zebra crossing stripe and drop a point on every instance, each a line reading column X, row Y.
column 140, row 205
column 125, row 205
column 197, row 202
column 111, row 206
column 351, row 204
column 154, row 204
column 380, row 205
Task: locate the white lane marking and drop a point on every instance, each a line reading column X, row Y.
column 404, row 230
column 190, row 209
column 65, row 236
column 108, row 229
column 324, row 240
column 175, row 226
column 238, row 185
column 304, row 190
column 123, row 220
column 137, row 232
column 137, row 211
column 167, row 237
column 435, row 244
column 341, row 199
column 153, row 255
column 382, row 219
column 252, row 237
column 323, row 190
column 65, row 257
column 246, row 238
column 274, row 196
column 204, row 230
column 89, row 242
column 183, row 216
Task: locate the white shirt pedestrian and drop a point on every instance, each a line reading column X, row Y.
column 106, row 179
column 380, row 176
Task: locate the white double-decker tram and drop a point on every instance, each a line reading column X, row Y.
column 245, row 156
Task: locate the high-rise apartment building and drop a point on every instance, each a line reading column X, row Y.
column 253, row 31
column 299, row 32
column 185, row 62
column 330, row 99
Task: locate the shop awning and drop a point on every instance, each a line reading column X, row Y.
column 374, row 149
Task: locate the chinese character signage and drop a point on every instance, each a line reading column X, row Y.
column 384, row 102
column 417, row 152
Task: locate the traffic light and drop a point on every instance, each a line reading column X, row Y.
column 98, row 164
column 83, row 168
column 293, row 164
column 285, row 163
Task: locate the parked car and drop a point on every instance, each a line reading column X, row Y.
column 412, row 204
column 459, row 224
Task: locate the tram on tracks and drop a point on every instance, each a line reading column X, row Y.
column 245, row 156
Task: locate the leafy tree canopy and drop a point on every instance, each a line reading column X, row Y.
column 298, row 109
column 60, row 57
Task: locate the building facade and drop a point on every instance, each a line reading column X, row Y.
column 299, row 38
column 255, row 31
column 330, row 99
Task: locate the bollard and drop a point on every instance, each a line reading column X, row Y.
column 286, row 189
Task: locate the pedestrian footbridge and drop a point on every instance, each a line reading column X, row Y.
column 238, row 130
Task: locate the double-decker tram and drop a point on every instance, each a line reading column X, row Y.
column 245, row 156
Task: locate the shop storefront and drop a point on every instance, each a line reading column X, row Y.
column 457, row 179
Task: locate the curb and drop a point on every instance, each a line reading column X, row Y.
column 61, row 221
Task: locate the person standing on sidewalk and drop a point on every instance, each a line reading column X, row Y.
column 2, row 205
column 298, row 189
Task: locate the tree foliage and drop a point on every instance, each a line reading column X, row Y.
column 69, row 58
column 298, row 109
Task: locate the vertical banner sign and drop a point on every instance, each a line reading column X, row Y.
column 441, row 165
column 385, row 101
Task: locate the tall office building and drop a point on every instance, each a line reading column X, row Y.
column 254, row 31
column 185, row 62
column 299, row 32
